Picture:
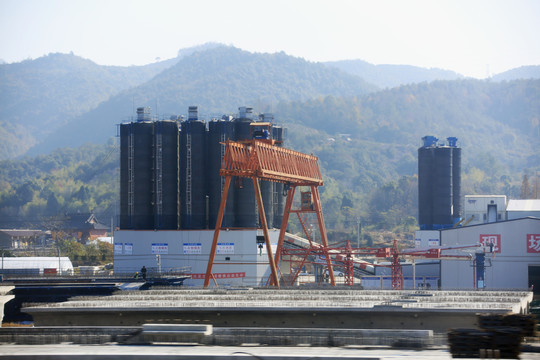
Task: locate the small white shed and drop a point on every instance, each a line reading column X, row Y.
column 518, row 209
column 35, row 265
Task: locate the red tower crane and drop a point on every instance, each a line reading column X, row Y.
column 347, row 257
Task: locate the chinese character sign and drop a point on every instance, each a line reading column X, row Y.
column 160, row 248
column 225, row 248
column 118, row 248
column 192, row 248
column 492, row 239
column 128, row 248
column 533, row 243
column 221, row 275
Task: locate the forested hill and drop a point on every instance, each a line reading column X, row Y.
column 367, row 147
column 39, row 96
column 78, row 101
column 219, row 80
column 367, row 140
column 388, row 76
column 523, row 72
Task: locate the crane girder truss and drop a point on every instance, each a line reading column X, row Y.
column 262, row 160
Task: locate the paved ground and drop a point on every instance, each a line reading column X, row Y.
column 113, row 351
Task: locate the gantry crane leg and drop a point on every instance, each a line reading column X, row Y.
column 284, row 222
column 262, row 216
column 216, row 231
column 322, row 229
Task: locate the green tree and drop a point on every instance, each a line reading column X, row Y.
column 53, row 206
column 525, row 188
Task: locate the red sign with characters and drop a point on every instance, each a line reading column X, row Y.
column 221, row 275
column 491, row 239
column 533, row 243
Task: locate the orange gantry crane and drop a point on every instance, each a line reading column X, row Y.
column 261, row 159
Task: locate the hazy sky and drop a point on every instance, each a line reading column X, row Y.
column 468, row 36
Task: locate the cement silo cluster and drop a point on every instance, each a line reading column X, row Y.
column 169, row 173
column 439, row 183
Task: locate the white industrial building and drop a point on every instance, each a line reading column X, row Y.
column 241, row 257
column 522, row 208
column 29, row 265
column 513, row 264
column 482, row 209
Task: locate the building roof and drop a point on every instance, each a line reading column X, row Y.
column 523, row 205
column 30, row 262
column 84, row 221
column 21, row 232
column 526, row 218
column 485, row 196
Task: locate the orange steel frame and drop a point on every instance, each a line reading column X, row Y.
column 261, row 160
column 313, row 249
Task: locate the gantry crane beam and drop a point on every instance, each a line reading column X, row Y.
column 261, row 160
column 256, row 158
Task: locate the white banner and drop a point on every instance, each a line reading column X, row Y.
column 192, row 248
column 128, row 248
column 118, row 248
column 433, row 242
column 160, row 248
column 225, row 248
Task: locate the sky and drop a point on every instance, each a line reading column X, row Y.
column 475, row 38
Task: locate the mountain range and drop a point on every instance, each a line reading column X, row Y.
column 388, row 76
column 364, row 121
column 51, row 101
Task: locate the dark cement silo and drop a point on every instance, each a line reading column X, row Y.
column 136, row 175
column 279, row 199
column 193, row 172
column 166, row 175
column 219, row 131
column 246, row 212
column 439, row 183
column 456, row 179
column 267, row 187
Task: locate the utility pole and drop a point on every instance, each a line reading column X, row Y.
column 59, row 263
column 158, row 260
column 359, row 230
column 536, row 184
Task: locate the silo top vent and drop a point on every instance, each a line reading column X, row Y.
column 452, row 141
column 430, row 141
column 245, row 112
column 193, row 113
column 267, row 117
column 143, row 113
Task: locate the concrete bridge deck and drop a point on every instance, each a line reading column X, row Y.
column 286, row 308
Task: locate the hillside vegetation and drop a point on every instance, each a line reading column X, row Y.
column 388, row 76
column 219, row 80
column 366, row 139
column 39, row 96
